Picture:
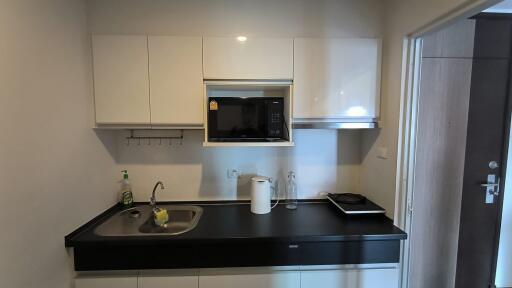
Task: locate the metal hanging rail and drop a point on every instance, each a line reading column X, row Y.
column 149, row 138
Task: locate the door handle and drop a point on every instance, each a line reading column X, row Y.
column 490, row 185
column 492, row 188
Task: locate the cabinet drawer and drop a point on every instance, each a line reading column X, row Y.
column 350, row 252
column 168, row 282
column 284, row 279
column 235, row 254
column 360, row 278
column 106, row 282
column 250, row 254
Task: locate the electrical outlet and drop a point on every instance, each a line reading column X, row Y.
column 232, row 173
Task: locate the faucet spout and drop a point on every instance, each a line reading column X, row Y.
column 152, row 200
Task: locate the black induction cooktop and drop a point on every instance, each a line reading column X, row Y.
column 354, row 204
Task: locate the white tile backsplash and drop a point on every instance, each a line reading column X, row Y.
column 323, row 160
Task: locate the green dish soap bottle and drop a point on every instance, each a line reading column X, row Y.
column 126, row 195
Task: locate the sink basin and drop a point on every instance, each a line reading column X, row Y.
column 139, row 221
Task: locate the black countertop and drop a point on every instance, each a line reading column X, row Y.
column 312, row 221
column 229, row 235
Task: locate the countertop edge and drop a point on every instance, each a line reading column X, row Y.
column 141, row 241
column 71, row 240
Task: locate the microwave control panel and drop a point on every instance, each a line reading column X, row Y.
column 276, row 119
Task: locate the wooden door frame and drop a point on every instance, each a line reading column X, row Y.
column 406, row 158
column 507, row 148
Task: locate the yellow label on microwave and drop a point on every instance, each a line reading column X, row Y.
column 214, row 105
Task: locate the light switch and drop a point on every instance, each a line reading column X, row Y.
column 382, row 152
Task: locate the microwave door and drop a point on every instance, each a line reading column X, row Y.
column 237, row 119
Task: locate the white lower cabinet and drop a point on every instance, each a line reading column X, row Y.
column 168, row 282
column 360, row 278
column 250, row 278
column 106, row 282
column 281, row 279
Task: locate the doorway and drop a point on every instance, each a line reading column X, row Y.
column 457, row 155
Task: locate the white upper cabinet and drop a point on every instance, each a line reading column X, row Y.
column 254, row 58
column 141, row 80
column 158, row 80
column 176, row 80
column 121, row 83
column 336, row 78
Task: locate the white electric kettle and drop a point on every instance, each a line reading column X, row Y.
column 261, row 194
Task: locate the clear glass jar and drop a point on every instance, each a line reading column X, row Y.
column 291, row 191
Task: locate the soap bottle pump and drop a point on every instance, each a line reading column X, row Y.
column 126, row 195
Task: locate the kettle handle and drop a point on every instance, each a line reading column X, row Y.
column 275, row 191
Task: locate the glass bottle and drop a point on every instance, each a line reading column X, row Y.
column 291, row 191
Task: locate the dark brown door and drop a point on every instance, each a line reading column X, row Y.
column 486, row 136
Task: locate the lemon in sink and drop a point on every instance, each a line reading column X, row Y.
column 161, row 216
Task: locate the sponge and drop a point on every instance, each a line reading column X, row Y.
column 161, row 216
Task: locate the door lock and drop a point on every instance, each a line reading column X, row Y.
column 492, row 188
column 493, row 164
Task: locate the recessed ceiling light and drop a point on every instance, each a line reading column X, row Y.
column 241, row 38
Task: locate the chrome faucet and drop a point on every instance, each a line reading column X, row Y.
column 152, row 200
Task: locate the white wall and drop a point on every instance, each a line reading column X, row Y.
column 286, row 18
column 323, row 160
column 55, row 172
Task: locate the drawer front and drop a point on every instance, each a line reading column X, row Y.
column 283, row 279
column 357, row 278
column 120, row 257
column 106, row 282
column 244, row 254
column 168, row 282
column 350, row 252
column 247, row 255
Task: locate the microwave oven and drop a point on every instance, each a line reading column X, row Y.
column 246, row 119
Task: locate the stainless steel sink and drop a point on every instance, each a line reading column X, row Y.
column 139, row 221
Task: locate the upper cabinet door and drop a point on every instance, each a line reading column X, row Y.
column 121, row 83
column 175, row 69
column 254, row 58
column 336, row 78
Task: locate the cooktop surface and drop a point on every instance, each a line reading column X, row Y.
column 354, row 203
